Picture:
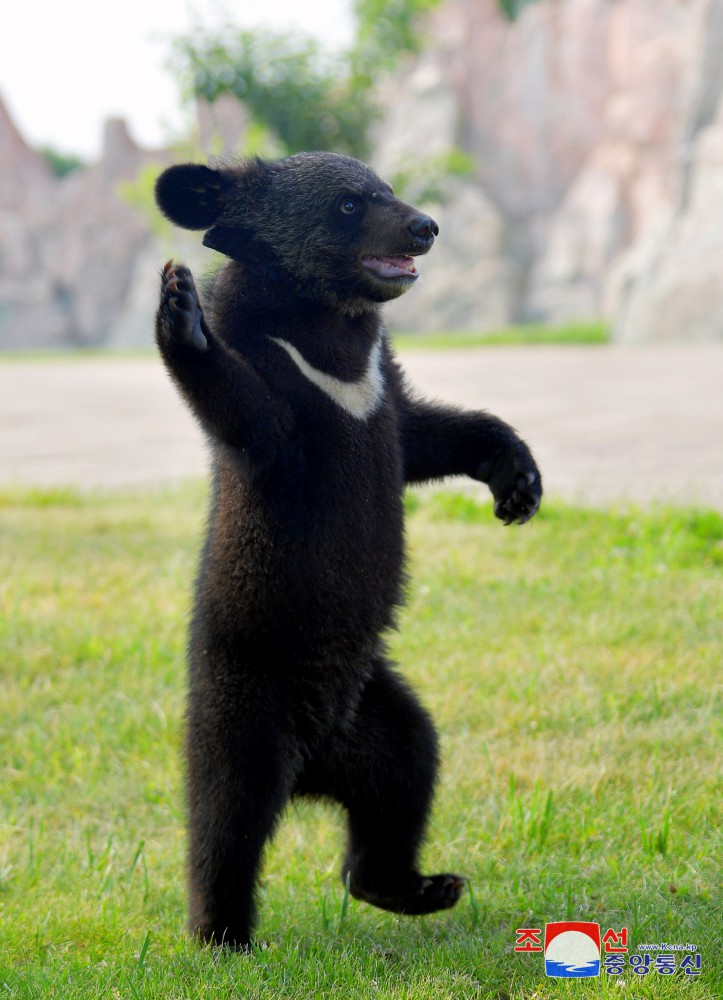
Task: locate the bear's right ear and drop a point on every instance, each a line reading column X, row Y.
column 192, row 195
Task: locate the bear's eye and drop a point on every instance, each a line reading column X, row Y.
column 349, row 206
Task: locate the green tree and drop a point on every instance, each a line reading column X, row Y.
column 306, row 96
column 513, row 8
column 61, row 164
column 288, row 83
column 303, row 95
column 386, row 31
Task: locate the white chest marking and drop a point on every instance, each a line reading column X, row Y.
column 360, row 398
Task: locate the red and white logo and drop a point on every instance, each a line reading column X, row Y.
column 572, row 949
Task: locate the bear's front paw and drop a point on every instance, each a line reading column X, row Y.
column 179, row 314
column 516, row 485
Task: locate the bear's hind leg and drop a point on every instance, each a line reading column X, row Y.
column 239, row 772
column 383, row 771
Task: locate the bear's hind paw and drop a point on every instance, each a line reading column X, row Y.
column 420, row 894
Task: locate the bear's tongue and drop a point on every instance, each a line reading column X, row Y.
column 391, row 267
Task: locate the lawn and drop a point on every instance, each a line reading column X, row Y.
column 572, row 666
column 582, row 333
column 531, row 334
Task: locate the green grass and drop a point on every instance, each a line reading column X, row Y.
column 67, row 354
column 530, row 334
column 572, row 667
column 583, row 333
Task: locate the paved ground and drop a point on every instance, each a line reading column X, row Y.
column 605, row 423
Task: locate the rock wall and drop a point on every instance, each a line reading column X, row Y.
column 668, row 286
column 595, row 128
column 67, row 245
column 595, row 133
column 79, row 264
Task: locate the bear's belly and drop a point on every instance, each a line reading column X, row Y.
column 308, row 561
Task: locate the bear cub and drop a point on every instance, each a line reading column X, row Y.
column 313, row 435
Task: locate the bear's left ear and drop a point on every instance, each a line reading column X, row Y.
column 192, row 195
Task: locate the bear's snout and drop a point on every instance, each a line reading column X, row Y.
column 423, row 229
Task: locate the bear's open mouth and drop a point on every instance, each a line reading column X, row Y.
column 395, row 266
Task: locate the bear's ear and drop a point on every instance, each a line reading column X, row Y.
column 192, row 195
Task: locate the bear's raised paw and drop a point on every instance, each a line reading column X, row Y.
column 180, row 310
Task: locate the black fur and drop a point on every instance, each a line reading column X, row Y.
column 291, row 692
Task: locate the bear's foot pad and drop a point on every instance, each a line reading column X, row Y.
column 419, row 895
column 180, row 298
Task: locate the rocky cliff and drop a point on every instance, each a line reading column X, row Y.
column 79, row 261
column 68, row 246
column 594, row 129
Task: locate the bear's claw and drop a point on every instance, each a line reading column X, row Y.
column 517, row 490
column 179, row 300
column 522, row 503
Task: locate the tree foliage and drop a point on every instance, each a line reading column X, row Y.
column 309, row 98
column 288, row 83
column 61, row 164
column 513, row 8
column 305, row 96
column 386, row 30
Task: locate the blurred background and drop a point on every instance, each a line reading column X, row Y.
column 572, row 153
column 571, row 150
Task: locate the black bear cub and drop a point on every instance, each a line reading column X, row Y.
column 314, row 436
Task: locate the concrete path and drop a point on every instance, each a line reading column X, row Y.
column 605, row 423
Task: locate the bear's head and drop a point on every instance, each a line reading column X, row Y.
column 322, row 221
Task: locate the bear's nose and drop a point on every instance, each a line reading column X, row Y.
column 423, row 229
